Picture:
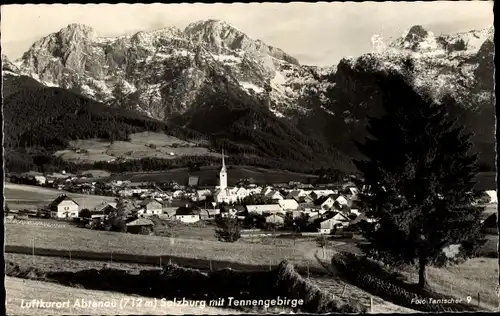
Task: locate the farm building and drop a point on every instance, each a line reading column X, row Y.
column 186, row 214
column 266, row 208
column 64, row 207
column 329, row 225
column 140, row 226
column 150, row 207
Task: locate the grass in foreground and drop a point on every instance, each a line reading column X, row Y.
column 477, row 275
column 22, row 289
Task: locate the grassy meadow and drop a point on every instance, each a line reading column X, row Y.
column 84, row 240
column 19, row 196
column 140, row 145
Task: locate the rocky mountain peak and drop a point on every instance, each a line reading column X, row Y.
column 416, row 32
column 220, row 37
column 76, row 33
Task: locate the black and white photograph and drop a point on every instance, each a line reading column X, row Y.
column 249, row 158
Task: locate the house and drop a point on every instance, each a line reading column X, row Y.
column 305, row 199
column 202, row 195
column 274, row 195
column 104, row 209
column 320, row 193
column 328, row 202
column 186, row 214
column 228, row 212
column 150, row 207
column 341, row 199
column 225, row 196
column 275, row 219
column 288, row 204
column 266, row 208
column 353, row 192
column 169, row 212
column 140, row 225
column 41, row 180
column 267, row 190
column 242, row 193
column 295, row 214
column 209, row 213
column 254, row 189
column 295, row 194
column 329, row 225
column 493, row 196
column 64, row 207
column 177, row 194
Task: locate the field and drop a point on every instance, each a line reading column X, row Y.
column 208, row 175
column 141, row 145
column 477, row 275
column 23, row 289
column 196, row 253
column 57, row 264
column 19, row 196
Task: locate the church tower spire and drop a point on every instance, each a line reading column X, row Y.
column 223, row 162
column 223, row 174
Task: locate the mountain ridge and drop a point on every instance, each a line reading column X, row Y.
column 172, row 75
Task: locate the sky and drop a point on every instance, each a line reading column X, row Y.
column 315, row 33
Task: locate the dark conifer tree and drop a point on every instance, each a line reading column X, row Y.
column 420, row 172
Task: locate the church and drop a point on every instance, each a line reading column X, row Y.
column 223, row 194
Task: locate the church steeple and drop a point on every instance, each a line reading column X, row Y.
column 223, row 162
column 223, row 174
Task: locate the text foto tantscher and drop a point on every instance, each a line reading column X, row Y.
column 152, row 303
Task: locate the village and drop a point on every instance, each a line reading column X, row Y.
column 284, row 207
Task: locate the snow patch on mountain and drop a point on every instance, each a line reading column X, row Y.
column 250, row 86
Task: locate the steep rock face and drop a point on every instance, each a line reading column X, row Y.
column 161, row 72
column 220, row 37
column 459, row 66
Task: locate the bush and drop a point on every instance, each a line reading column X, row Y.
column 322, row 241
column 85, row 213
column 228, row 229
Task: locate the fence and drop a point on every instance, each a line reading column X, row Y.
column 152, row 260
column 35, row 223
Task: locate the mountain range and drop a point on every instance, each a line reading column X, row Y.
column 211, row 79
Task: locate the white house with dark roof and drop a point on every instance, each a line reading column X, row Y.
column 186, row 215
column 64, row 207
